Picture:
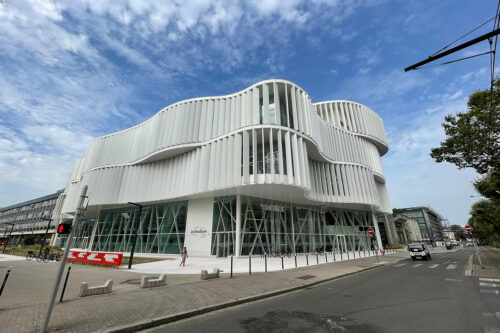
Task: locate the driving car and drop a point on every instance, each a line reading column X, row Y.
column 419, row 251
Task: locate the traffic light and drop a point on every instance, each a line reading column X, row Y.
column 63, row 228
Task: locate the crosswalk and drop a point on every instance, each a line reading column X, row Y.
column 451, row 267
column 486, row 286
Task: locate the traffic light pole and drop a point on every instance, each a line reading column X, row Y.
column 45, row 236
column 69, row 243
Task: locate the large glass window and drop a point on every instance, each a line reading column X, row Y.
column 161, row 229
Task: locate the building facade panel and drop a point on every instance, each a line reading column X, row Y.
column 268, row 141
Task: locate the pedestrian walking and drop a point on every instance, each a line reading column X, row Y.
column 184, row 255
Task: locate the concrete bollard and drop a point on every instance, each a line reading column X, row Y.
column 85, row 290
column 150, row 282
column 213, row 275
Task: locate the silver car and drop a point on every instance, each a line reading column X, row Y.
column 419, row 251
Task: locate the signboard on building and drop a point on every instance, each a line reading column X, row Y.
column 100, row 258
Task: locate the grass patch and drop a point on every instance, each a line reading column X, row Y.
column 23, row 251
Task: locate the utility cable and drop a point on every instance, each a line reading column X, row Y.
column 444, row 48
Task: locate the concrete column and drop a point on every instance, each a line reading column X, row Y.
column 238, row 225
column 377, row 231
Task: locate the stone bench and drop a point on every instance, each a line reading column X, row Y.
column 85, row 290
column 149, row 282
column 213, row 275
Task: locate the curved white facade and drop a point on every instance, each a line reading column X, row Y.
column 267, row 141
column 329, row 152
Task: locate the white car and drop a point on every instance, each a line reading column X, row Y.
column 419, row 251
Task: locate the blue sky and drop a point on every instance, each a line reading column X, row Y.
column 71, row 71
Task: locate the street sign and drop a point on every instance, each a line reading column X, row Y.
column 468, row 228
column 370, row 231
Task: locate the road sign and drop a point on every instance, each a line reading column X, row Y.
column 468, row 228
column 370, row 231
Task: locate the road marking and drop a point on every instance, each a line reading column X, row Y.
column 489, row 280
column 453, row 280
column 491, row 314
column 416, row 265
column 484, row 284
column 434, row 266
column 399, row 265
column 491, row 330
column 489, row 291
column 451, row 266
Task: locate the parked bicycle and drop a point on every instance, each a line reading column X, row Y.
column 44, row 257
column 280, row 254
column 320, row 251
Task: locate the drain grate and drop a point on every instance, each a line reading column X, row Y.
column 306, row 277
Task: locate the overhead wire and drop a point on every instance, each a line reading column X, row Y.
column 456, row 40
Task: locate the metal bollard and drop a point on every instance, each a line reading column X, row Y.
column 250, row 264
column 348, row 255
column 307, row 259
column 231, row 266
column 354, row 253
column 265, row 259
column 333, row 254
column 65, row 283
column 282, row 264
column 326, row 257
column 4, row 281
column 317, row 260
column 341, row 256
column 359, row 252
column 295, row 260
column 364, row 253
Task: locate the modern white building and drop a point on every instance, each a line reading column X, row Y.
column 262, row 170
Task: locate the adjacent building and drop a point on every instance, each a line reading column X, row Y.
column 429, row 222
column 259, row 171
column 29, row 218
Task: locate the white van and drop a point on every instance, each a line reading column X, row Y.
column 419, row 250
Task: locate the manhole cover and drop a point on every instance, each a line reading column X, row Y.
column 306, row 277
column 132, row 281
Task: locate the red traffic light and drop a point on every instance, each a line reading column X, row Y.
column 63, row 228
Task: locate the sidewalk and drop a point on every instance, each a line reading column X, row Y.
column 490, row 257
column 135, row 308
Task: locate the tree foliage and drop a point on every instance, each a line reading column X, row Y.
column 473, row 141
column 485, row 219
column 473, row 137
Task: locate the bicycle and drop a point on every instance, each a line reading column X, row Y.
column 30, row 255
column 320, row 251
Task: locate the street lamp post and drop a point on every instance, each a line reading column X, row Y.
column 136, row 227
column 44, row 236
column 10, row 233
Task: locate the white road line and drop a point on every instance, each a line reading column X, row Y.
column 453, row 280
column 434, row 266
column 416, row 265
column 484, row 284
column 489, row 291
column 451, row 266
column 491, row 330
column 399, row 265
column 489, row 280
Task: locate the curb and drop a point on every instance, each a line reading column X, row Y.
column 150, row 323
column 468, row 269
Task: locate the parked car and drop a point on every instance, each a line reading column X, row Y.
column 419, row 251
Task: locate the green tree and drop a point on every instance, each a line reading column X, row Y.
column 473, row 141
column 473, row 137
column 29, row 240
column 485, row 219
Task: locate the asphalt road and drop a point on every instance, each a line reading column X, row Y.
column 420, row 296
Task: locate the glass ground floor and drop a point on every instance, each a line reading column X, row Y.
column 256, row 227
